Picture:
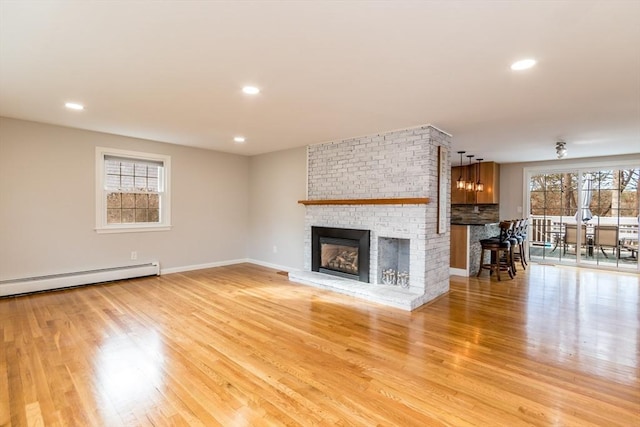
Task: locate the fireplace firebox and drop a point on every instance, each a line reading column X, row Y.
column 342, row 252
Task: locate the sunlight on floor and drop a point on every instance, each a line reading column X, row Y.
column 130, row 370
column 571, row 302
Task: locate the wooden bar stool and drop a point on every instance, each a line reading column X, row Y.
column 507, row 233
column 517, row 244
column 501, row 250
column 500, row 257
column 523, row 232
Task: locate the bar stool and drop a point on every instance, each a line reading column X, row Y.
column 501, row 252
column 517, row 239
column 523, row 232
column 500, row 257
column 507, row 233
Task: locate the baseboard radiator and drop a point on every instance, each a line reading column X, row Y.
column 65, row 280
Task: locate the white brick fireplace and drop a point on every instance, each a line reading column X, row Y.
column 404, row 236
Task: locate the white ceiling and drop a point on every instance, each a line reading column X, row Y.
column 173, row 71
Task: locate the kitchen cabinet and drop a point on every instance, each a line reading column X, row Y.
column 458, row 197
column 459, row 245
column 489, row 173
column 490, row 177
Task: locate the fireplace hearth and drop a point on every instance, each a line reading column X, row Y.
column 341, row 252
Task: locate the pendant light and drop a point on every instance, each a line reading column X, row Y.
column 460, row 183
column 470, row 182
column 479, row 184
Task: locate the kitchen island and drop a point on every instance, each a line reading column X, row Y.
column 465, row 246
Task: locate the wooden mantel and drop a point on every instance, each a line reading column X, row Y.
column 399, row 201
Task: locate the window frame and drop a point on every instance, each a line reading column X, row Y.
column 101, row 192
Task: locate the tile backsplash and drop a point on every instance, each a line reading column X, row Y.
column 464, row 214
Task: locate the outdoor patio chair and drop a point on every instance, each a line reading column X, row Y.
column 606, row 236
column 632, row 246
column 571, row 236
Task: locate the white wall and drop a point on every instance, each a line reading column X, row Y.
column 512, row 176
column 47, row 204
column 277, row 181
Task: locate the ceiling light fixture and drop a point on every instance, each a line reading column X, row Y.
column 561, row 149
column 470, row 184
column 523, row 64
column 74, row 106
column 460, row 184
column 239, row 139
column 251, row 90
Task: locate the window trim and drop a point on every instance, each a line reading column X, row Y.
column 101, row 209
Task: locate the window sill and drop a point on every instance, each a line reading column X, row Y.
column 132, row 229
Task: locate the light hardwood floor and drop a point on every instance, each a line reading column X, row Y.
column 240, row 346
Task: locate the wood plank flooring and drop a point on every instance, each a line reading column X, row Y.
column 242, row 346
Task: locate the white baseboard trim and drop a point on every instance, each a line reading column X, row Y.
column 270, row 265
column 224, row 263
column 458, row 272
column 202, row 266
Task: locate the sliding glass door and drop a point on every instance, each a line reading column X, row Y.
column 611, row 196
column 585, row 216
column 553, row 202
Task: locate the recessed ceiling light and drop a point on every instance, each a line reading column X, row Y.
column 251, row 90
column 239, row 139
column 523, row 64
column 74, row 106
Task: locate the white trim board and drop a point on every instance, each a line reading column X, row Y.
column 225, row 263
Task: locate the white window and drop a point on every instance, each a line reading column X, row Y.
column 132, row 191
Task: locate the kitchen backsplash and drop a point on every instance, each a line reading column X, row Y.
column 464, row 214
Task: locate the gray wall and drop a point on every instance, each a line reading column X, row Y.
column 47, row 204
column 512, row 176
column 277, row 181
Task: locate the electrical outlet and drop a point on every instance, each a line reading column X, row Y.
column 476, row 209
column 134, row 255
column 275, row 249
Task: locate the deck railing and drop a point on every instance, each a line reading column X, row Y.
column 546, row 229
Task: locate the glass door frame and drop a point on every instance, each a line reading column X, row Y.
column 579, row 168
